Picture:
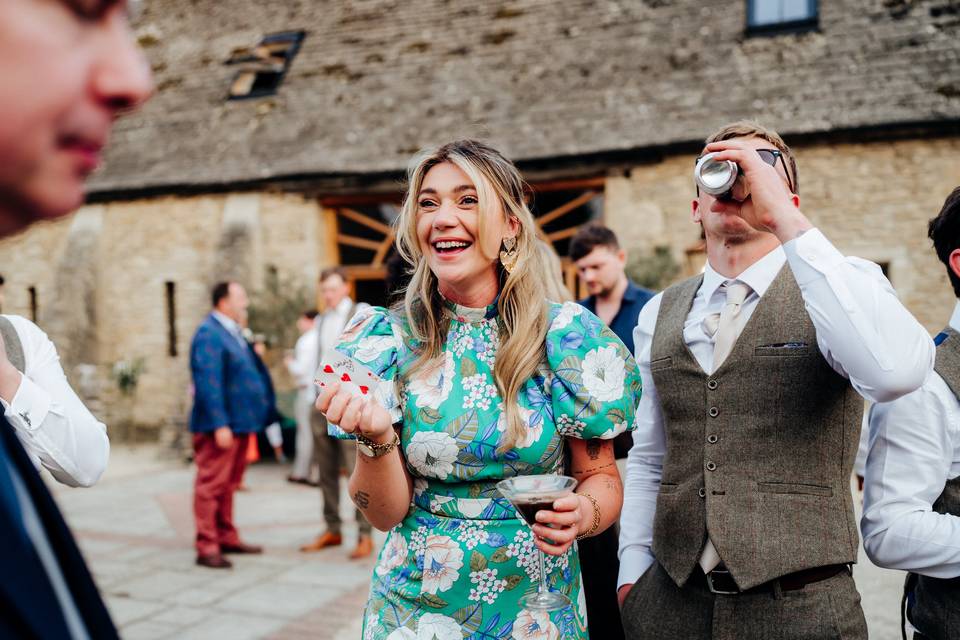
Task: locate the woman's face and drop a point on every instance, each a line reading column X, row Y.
column 447, row 228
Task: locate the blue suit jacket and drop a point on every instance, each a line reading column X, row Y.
column 229, row 387
column 28, row 604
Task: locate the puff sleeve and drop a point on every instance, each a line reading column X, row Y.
column 373, row 338
column 595, row 385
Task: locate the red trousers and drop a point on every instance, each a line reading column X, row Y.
column 219, row 472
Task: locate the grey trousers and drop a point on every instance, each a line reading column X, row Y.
column 657, row 608
column 302, row 410
column 332, row 454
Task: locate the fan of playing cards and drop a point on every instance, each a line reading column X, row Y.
column 355, row 377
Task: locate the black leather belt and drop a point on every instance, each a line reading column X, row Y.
column 719, row 581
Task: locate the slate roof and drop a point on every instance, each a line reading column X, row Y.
column 377, row 79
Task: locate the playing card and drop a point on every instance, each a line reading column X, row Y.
column 354, row 376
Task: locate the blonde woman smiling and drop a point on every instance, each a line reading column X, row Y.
column 493, row 382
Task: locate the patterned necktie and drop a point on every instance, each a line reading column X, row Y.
column 723, row 327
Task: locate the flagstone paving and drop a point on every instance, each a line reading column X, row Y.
column 136, row 529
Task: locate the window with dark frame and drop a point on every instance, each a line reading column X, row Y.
column 263, row 67
column 32, row 293
column 771, row 17
column 170, row 291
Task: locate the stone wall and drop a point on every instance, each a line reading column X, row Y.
column 101, row 275
column 872, row 200
column 101, row 284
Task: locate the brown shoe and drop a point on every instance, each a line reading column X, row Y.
column 241, row 548
column 323, row 541
column 213, row 561
column 364, row 548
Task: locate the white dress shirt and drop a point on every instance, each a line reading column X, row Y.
column 331, row 324
column 914, row 450
column 860, row 463
column 304, row 363
column 52, row 423
column 863, row 332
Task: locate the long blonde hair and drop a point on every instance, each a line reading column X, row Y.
column 522, row 305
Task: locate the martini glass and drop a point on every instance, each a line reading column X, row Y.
column 529, row 494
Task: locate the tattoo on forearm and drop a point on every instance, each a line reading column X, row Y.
column 593, row 449
column 361, row 499
column 580, row 472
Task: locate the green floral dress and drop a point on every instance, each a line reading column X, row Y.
column 460, row 560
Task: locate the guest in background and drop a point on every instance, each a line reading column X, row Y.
column 232, row 400
column 334, row 455
column 302, row 365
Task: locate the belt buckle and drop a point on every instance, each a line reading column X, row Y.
column 713, row 589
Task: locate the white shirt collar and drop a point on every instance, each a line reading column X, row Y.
column 955, row 318
column 758, row 276
column 228, row 323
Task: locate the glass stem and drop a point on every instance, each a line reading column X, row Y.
column 543, row 571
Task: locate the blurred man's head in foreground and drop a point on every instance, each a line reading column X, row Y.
column 69, row 68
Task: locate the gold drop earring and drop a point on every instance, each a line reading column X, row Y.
column 508, row 254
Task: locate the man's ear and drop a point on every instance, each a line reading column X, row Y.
column 954, row 262
column 622, row 256
column 695, row 212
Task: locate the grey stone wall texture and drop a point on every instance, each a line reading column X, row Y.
column 196, row 187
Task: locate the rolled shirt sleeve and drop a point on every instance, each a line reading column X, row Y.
column 52, row 423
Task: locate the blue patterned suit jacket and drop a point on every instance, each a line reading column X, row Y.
column 229, row 388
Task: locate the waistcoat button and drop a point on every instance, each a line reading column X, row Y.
column 712, row 438
column 711, row 466
column 702, row 492
column 712, row 384
column 714, row 412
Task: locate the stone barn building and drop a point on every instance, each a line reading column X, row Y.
column 277, row 140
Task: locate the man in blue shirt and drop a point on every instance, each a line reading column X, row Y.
column 601, row 265
column 69, row 69
column 617, row 301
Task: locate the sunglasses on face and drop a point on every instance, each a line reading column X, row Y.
column 770, row 156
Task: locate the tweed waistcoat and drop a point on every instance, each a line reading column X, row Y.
column 759, row 453
column 936, row 608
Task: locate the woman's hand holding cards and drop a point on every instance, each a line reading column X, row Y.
column 357, row 414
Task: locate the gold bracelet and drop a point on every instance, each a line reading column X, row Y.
column 596, row 517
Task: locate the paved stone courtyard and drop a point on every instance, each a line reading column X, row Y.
column 136, row 530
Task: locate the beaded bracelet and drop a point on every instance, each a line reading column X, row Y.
column 596, row 517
